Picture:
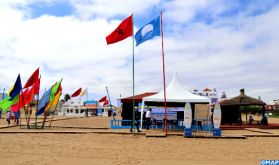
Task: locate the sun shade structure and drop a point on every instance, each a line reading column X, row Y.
column 242, row 100
column 175, row 93
column 231, row 111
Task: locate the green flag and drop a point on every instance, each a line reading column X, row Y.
column 5, row 104
column 54, row 90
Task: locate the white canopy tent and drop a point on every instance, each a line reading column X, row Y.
column 175, row 92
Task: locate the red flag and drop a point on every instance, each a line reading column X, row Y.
column 27, row 98
column 106, row 103
column 124, row 30
column 34, row 77
column 76, row 93
column 37, row 86
column 103, row 99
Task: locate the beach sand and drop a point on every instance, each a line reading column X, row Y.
column 117, row 149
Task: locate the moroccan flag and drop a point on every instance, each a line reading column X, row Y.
column 17, row 88
column 34, row 77
column 76, row 93
column 124, row 30
column 103, row 99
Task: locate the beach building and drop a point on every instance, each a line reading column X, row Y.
column 74, row 107
column 273, row 105
column 79, row 108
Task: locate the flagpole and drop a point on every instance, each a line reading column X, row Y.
column 133, row 75
column 54, row 111
column 164, row 79
column 3, row 94
column 37, row 107
column 110, row 104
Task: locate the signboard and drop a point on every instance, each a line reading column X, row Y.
column 217, row 116
column 92, row 106
column 187, row 116
column 161, row 116
column 202, row 111
column 162, row 109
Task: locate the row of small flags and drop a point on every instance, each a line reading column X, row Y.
column 19, row 96
column 81, row 92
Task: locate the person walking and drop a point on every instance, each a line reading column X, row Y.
column 136, row 121
column 148, row 118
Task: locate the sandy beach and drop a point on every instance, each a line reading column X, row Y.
column 112, row 149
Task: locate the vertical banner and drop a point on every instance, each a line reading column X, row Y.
column 217, row 116
column 187, row 116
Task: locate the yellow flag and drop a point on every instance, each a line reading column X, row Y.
column 82, row 92
column 54, row 102
column 10, row 90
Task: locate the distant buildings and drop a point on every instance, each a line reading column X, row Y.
column 274, row 105
column 212, row 94
column 80, row 108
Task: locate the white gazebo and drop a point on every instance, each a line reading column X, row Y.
column 175, row 93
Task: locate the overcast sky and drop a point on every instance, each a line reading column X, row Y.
column 227, row 45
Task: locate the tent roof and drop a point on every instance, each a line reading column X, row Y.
column 175, row 92
column 138, row 98
column 242, row 99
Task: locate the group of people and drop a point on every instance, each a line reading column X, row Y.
column 12, row 116
column 264, row 120
column 137, row 119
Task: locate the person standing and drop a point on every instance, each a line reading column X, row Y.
column 148, row 118
column 8, row 117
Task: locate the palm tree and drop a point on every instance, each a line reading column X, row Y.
column 67, row 97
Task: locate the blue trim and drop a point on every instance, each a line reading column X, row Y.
column 125, row 124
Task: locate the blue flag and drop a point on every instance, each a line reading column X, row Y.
column 148, row 31
column 43, row 102
column 16, row 89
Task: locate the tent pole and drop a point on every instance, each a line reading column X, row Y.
column 133, row 122
column 141, row 113
column 246, row 115
column 164, row 79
